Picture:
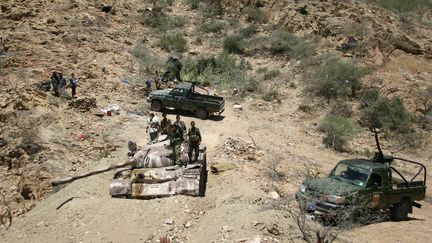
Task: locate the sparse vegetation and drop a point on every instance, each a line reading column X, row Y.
column 210, row 8
column 248, row 31
column 254, row 15
column 270, row 74
column 339, row 130
column 212, row 26
column 146, row 59
column 172, row 43
column 387, row 113
column 272, row 94
column 222, row 71
column 162, row 22
column 341, row 108
column 283, row 42
column 234, row 44
column 336, row 78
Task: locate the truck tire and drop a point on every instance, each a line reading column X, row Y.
column 399, row 211
column 156, row 105
column 201, row 113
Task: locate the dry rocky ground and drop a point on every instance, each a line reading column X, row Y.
column 273, row 144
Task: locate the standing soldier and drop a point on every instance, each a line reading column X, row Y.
column 153, row 126
column 165, row 124
column 73, row 83
column 180, row 124
column 194, row 141
column 176, row 138
column 55, row 82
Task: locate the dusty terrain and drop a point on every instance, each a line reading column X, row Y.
column 274, row 144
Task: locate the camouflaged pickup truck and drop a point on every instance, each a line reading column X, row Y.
column 365, row 184
column 184, row 97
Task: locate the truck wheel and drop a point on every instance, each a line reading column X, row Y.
column 201, row 113
column 399, row 211
column 156, row 105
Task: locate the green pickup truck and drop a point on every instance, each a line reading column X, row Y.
column 366, row 184
column 184, row 97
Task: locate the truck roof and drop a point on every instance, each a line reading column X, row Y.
column 365, row 164
column 184, row 85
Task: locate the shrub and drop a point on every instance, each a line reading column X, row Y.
column 336, row 78
column 234, row 44
column 212, row 26
column 338, row 131
column 342, row 109
column 210, row 8
column 255, row 15
column 162, row 22
column 269, row 74
column 272, row 94
column 388, row 114
column 283, row 42
column 369, row 97
column 248, row 31
column 172, row 43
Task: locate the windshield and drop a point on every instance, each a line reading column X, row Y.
column 351, row 173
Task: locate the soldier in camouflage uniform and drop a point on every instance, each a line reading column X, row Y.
column 165, row 124
column 194, row 142
column 176, row 138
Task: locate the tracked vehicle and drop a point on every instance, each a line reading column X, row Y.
column 150, row 172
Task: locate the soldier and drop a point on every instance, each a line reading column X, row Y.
column 73, row 84
column 62, row 84
column 180, row 124
column 55, row 82
column 176, row 138
column 165, row 124
column 194, row 141
column 153, row 126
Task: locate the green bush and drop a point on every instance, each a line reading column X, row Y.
column 234, row 44
column 270, row 74
column 210, row 8
column 248, row 31
column 341, row 108
column 162, row 22
column 335, row 79
column 212, row 26
column 338, row 131
column 172, row 43
column 368, row 97
column 255, row 15
column 389, row 114
column 283, row 42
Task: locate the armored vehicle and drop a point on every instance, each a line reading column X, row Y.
column 150, row 172
column 185, row 97
column 368, row 184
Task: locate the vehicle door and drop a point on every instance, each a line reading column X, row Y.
column 189, row 103
column 176, row 98
column 377, row 189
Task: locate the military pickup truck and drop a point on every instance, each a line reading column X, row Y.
column 184, row 97
column 371, row 184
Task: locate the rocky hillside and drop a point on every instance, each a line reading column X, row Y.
column 43, row 136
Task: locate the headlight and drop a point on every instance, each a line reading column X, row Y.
column 335, row 199
column 302, row 188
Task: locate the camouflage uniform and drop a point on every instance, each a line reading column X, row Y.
column 165, row 125
column 194, row 142
column 176, row 139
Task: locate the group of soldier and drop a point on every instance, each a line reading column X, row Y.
column 58, row 83
column 177, row 133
